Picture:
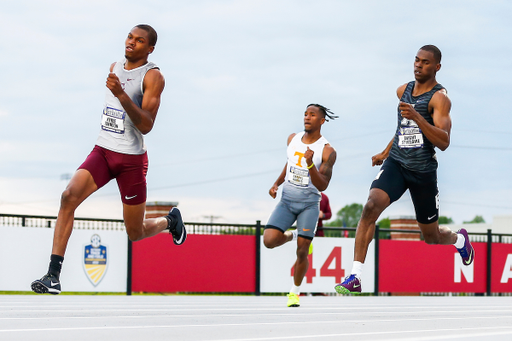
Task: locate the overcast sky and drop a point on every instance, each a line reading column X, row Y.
column 239, row 75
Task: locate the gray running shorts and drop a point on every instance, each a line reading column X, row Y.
column 287, row 212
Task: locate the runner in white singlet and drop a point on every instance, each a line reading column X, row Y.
column 307, row 172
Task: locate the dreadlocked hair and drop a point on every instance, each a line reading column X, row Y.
column 327, row 112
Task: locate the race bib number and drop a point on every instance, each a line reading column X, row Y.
column 298, row 176
column 113, row 120
column 410, row 137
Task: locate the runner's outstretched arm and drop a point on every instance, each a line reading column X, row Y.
column 281, row 178
column 378, row 159
column 273, row 190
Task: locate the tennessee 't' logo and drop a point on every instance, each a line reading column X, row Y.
column 301, row 155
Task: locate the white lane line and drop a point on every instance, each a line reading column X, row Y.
column 483, row 335
column 262, row 307
column 53, row 329
column 469, row 332
column 496, row 314
column 95, row 309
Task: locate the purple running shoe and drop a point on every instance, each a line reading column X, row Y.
column 466, row 252
column 351, row 285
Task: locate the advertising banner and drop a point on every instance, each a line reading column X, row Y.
column 414, row 266
column 329, row 263
column 501, row 268
column 95, row 260
column 204, row 263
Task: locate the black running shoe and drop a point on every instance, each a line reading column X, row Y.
column 48, row 284
column 176, row 226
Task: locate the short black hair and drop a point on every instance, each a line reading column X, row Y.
column 326, row 112
column 435, row 51
column 152, row 36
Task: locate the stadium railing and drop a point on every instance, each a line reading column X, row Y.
column 243, row 229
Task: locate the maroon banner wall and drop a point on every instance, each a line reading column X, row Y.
column 226, row 263
column 204, row 263
column 414, row 266
column 501, row 279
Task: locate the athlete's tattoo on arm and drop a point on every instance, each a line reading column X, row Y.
column 326, row 167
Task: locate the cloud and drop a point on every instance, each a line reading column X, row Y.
column 239, row 74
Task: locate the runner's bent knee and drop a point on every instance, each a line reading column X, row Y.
column 371, row 211
column 134, row 235
column 376, row 204
column 431, row 238
column 431, row 234
column 69, row 199
column 302, row 252
column 270, row 241
column 135, row 231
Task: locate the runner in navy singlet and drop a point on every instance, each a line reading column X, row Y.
column 409, row 162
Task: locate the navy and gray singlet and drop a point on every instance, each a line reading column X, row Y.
column 411, row 148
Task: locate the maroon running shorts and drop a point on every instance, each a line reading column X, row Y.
column 128, row 170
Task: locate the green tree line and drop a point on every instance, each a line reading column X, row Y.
column 349, row 216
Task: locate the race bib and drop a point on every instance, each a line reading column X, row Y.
column 298, row 177
column 410, row 137
column 113, row 120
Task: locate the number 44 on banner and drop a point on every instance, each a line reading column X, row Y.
column 326, row 270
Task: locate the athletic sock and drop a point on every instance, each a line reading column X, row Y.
column 55, row 265
column 459, row 244
column 294, row 235
column 295, row 289
column 357, row 269
column 169, row 222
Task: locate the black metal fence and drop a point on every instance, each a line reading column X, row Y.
column 244, row 229
column 211, row 228
column 49, row 222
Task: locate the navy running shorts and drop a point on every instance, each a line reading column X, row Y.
column 394, row 179
column 128, row 170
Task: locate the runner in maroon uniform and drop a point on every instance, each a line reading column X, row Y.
column 134, row 87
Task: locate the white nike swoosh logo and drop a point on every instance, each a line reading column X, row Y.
column 128, row 198
column 430, row 218
column 181, row 239
column 357, row 286
column 53, row 284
